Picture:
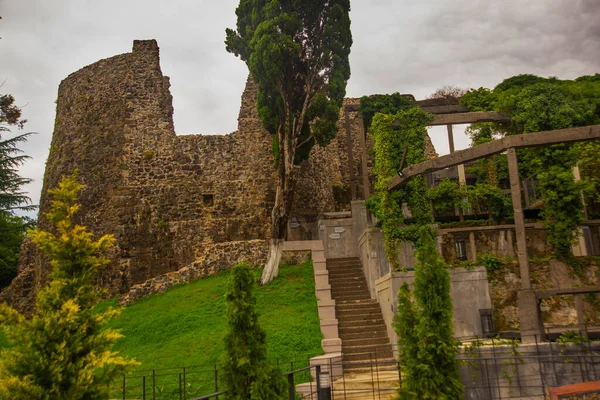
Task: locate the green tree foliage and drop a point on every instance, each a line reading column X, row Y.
column 539, row 104
column 11, row 158
column 491, row 200
column 63, row 352
column 446, row 196
column 246, row 372
column 12, row 198
column 424, row 326
column 390, row 104
column 389, row 146
column 11, row 236
column 490, row 170
column 297, row 53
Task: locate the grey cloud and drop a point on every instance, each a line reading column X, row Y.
column 408, row 46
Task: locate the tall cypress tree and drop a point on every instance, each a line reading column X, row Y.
column 424, row 326
column 246, row 372
column 297, row 53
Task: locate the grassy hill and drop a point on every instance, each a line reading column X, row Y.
column 185, row 327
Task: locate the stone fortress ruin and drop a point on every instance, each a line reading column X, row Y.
column 197, row 202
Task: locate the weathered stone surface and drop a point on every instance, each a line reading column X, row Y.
column 169, row 200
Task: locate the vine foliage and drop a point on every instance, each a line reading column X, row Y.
column 537, row 104
column 390, row 146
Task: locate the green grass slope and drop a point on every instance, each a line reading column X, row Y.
column 185, row 327
column 187, row 324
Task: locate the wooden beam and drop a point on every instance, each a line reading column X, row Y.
column 496, row 147
column 515, row 191
column 544, row 294
column 433, row 109
column 468, row 118
column 451, row 109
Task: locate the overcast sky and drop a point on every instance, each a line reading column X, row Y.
column 399, row 45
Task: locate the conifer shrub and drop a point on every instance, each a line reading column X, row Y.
column 246, row 372
column 424, row 326
column 63, row 352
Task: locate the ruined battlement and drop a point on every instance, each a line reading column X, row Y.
column 171, row 201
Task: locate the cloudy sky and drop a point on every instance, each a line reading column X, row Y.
column 399, row 45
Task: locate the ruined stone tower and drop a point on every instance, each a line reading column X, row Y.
column 170, row 201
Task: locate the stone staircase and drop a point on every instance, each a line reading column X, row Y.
column 365, row 342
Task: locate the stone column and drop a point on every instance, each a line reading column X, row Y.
column 363, row 158
column 580, row 316
column 473, row 247
column 350, row 155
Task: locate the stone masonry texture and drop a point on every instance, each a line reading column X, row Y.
column 179, row 206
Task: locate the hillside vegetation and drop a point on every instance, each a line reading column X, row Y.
column 185, row 327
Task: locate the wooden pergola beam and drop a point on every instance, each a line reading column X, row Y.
column 496, row 147
column 468, row 118
column 544, row 294
column 433, row 109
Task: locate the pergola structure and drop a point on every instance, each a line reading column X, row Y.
column 449, row 113
column 452, row 113
column 531, row 324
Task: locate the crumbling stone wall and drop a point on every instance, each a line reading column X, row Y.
column 168, row 199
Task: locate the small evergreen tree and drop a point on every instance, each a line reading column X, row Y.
column 424, row 327
column 12, row 197
column 246, row 372
column 63, row 352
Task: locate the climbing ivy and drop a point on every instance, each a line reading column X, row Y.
column 447, row 196
column 538, row 104
column 389, row 104
column 389, row 147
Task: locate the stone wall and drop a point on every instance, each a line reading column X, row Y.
column 167, row 198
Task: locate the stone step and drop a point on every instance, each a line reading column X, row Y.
column 351, row 297
column 365, row 334
column 372, row 322
column 387, row 364
column 366, row 342
column 347, row 267
column 354, row 309
column 346, row 274
column 373, row 349
column 359, row 316
column 368, row 356
column 355, row 260
column 348, row 281
column 355, row 287
column 337, row 292
column 349, row 330
column 336, row 263
column 362, row 303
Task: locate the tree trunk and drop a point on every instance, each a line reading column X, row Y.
column 280, row 215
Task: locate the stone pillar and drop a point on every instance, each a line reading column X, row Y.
column 350, row 155
column 363, row 158
column 530, row 317
column 473, row 247
column 580, row 316
column 510, row 243
column 529, row 310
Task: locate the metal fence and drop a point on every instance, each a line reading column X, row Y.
column 189, row 382
column 491, row 368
